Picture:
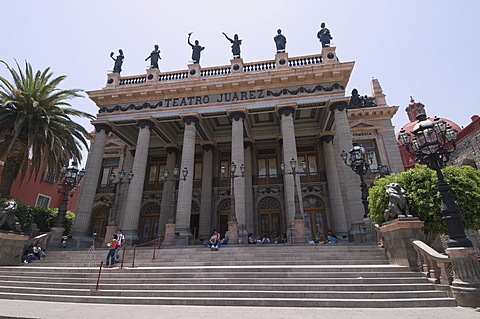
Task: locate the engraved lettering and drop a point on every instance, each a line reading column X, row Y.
column 220, row 98
column 168, row 102
column 198, row 100
column 235, row 97
column 243, row 96
column 260, row 96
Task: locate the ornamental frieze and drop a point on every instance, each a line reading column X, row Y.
column 224, row 98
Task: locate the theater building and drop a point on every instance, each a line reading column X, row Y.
column 256, row 115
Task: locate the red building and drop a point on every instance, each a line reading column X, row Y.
column 40, row 191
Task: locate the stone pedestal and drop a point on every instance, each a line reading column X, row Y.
column 397, row 234
column 233, row 232
column 466, row 276
column 11, row 249
column 299, row 231
column 56, row 240
column 371, row 233
column 281, row 60
column 169, row 239
column 109, row 233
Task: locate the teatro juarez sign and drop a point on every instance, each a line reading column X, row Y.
column 225, row 97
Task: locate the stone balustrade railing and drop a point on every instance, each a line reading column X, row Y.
column 236, row 67
column 436, row 266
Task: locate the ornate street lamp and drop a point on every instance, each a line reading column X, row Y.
column 298, row 219
column 432, row 144
column 69, row 178
column 232, row 218
column 117, row 180
column 359, row 161
column 175, row 175
column 169, row 238
column 293, row 165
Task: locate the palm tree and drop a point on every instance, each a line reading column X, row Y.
column 35, row 124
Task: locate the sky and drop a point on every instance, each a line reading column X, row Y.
column 422, row 48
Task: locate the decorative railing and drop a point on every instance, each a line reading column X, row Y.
column 105, row 189
column 133, row 80
column 43, row 239
column 153, row 186
column 173, row 76
column 222, row 70
column 259, row 66
column 437, row 267
column 267, row 180
column 312, row 59
column 312, row 177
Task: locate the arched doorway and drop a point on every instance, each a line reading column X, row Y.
column 149, row 222
column 195, row 219
column 270, row 218
column 314, row 216
column 223, row 213
column 98, row 224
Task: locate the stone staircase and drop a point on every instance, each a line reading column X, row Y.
column 333, row 275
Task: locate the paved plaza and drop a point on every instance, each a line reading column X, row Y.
column 10, row 309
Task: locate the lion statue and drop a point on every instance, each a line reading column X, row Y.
column 397, row 205
column 8, row 220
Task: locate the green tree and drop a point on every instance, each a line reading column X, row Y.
column 420, row 184
column 35, row 122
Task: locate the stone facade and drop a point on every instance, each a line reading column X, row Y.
column 257, row 115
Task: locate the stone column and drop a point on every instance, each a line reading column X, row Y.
column 249, row 209
column 333, row 184
column 351, row 181
column 395, row 164
column 238, row 157
column 131, row 211
column 89, row 184
column 185, row 188
column 286, row 112
column 206, row 196
column 289, row 152
column 172, row 151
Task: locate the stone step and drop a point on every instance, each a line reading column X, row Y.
column 121, row 285
column 218, row 293
column 337, row 275
column 257, row 302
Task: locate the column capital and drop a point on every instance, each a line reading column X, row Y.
column 102, row 126
column 190, row 118
column 326, row 137
column 286, row 109
column 171, row 148
column 208, row 146
column 237, row 114
column 338, row 105
column 247, row 143
column 142, row 123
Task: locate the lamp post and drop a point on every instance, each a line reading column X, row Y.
column 118, row 180
column 432, row 144
column 69, row 178
column 232, row 218
column 357, row 162
column 298, row 219
column 169, row 238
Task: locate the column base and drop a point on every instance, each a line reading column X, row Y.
column 466, row 276
column 169, row 239
column 108, row 234
column 233, row 232
column 299, row 231
column 183, row 237
column 56, row 241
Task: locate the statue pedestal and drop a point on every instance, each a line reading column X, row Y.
column 281, row 60
column 299, row 231
column 194, row 70
column 466, row 276
column 329, row 56
column 397, row 234
column 236, row 65
column 11, row 249
column 56, row 240
column 169, row 239
column 233, row 232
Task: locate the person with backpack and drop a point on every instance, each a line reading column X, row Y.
column 120, row 240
